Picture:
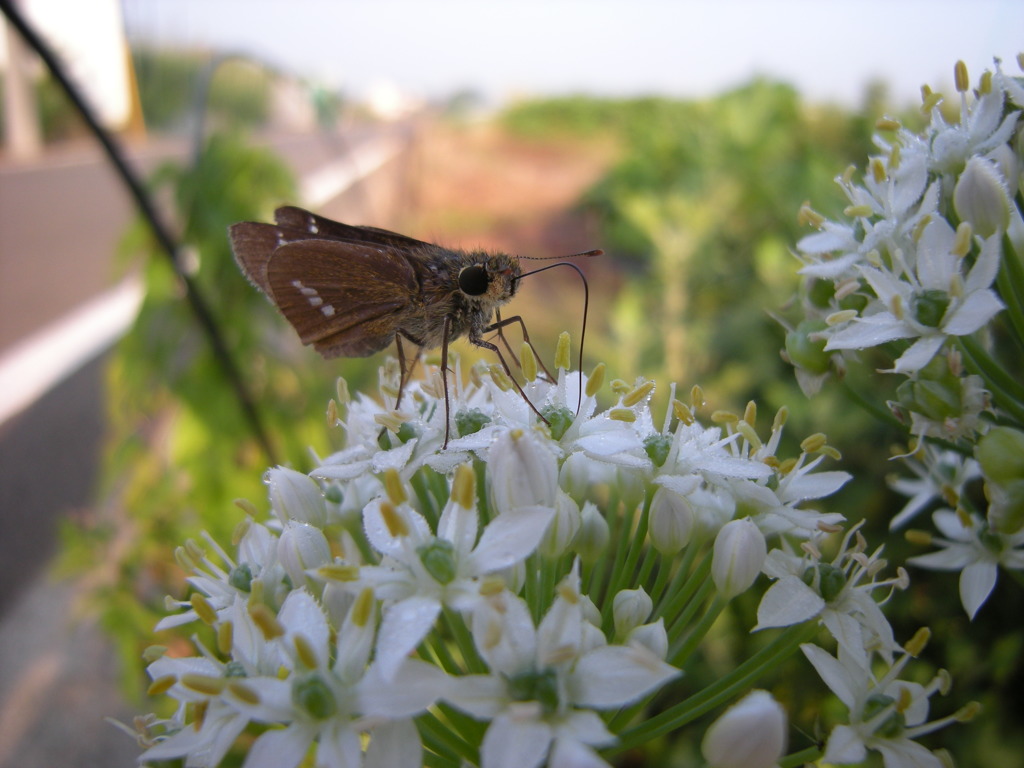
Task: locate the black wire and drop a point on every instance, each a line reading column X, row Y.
column 197, row 303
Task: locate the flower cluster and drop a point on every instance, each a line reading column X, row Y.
column 926, row 270
column 469, row 581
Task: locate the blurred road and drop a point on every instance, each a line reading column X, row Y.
column 60, row 222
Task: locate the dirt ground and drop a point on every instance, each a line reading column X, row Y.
column 477, row 185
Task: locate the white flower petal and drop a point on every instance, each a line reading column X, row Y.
column 567, row 753
column 975, row 311
column 976, row 583
column 844, row 746
column 870, row 331
column 509, row 538
column 615, row 675
column 515, row 743
column 402, row 628
column 787, row 602
column 395, row 745
column 834, row 674
column 416, row 685
column 919, row 354
column 280, row 748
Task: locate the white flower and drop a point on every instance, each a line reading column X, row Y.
column 545, row 682
column 929, row 302
column 738, row 556
column 523, row 471
column 839, row 594
column 421, row 572
column 329, row 695
column 750, row 734
column 940, row 475
column 885, row 714
column 974, row 549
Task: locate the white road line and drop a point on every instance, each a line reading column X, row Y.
column 45, row 358
column 32, row 366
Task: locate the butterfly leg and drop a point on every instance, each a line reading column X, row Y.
column 444, row 380
column 405, row 373
column 508, row 371
column 499, row 325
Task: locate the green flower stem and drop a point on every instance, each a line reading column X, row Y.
column 721, row 691
column 808, row 756
column 444, row 740
column 624, row 573
column 679, row 657
column 1007, row 392
column 870, row 405
column 658, row 591
column 464, row 641
column 684, row 586
column 428, row 504
column 684, row 621
column 1010, row 282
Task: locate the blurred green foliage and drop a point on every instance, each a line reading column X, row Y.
column 180, row 450
column 700, row 215
column 169, row 83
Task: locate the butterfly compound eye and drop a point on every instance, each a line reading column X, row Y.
column 473, row 281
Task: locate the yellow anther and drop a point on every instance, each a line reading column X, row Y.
column 393, row 486
column 878, row 171
column 394, row 521
column 562, row 352
column 808, row 217
column 750, row 413
column 962, row 243
column 528, row 361
column 638, row 395
column 204, row 684
column 161, row 685
column 887, row 124
column 304, row 651
column 813, row 443
column 595, row 380
column 464, row 486
column 858, row 211
column 724, row 417
column 363, row 608
column 266, row 621
column 917, row 643
column 681, row 412
column 225, row 637
column 960, row 79
column 243, row 691
column 203, row 608
column 622, row 414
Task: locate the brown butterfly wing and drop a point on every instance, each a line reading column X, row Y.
column 346, row 299
column 320, row 227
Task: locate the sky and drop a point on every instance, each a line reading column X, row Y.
column 829, row 49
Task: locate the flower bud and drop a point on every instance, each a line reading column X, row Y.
column 750, row 734
column 592, row 538
column 295, row 496
column 1001, row 455
column 739, row 553
column 671, row 521
column 523, row 472
column 562, row 528
column 1006, row 507
column 301, row 548
column 651, row 636
column 630, row 609
column 980, row 197
column 805, row 352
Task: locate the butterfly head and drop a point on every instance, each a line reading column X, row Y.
column 490, row 279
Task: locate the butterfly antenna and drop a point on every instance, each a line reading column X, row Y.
column 586, row 308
